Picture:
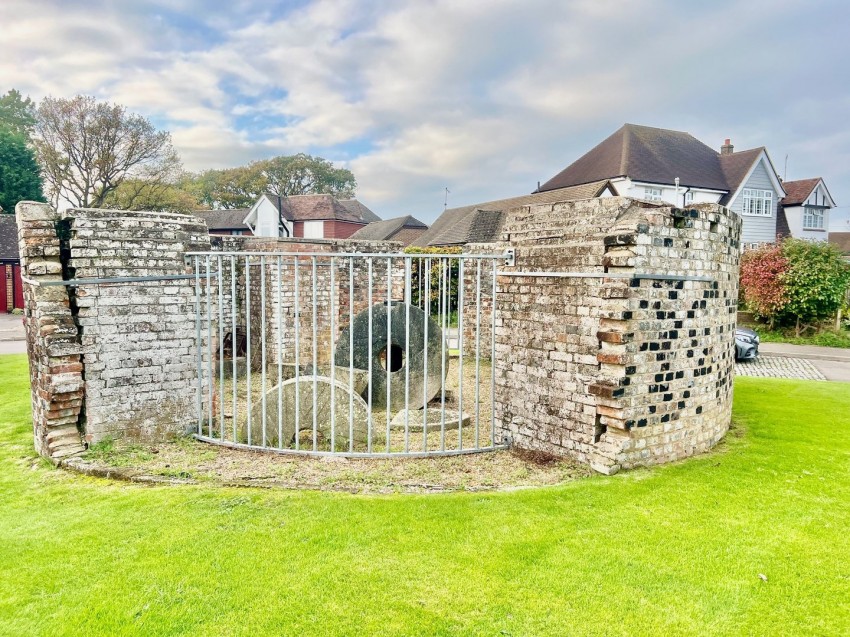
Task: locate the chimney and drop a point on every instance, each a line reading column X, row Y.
column 727, row 148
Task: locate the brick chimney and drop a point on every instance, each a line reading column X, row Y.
column 727, row 148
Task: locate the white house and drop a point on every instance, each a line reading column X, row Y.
column 673, row 166
column 806, row 206
column 307, row 216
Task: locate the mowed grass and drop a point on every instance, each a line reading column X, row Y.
column 681, row 549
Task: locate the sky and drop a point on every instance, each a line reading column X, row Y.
column 481, row 97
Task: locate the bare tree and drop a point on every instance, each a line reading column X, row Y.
column 86, row 149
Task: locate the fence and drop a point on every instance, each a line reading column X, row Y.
column 346, row 354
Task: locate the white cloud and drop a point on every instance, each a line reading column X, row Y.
column 483, row 97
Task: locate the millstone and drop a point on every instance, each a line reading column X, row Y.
column 420, row 378
column 336, row 402
column 435, row 419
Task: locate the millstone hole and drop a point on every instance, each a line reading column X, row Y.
column 396, row 357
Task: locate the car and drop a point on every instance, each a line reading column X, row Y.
column 746, row 344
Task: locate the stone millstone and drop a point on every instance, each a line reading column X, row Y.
column 302, row 388
column 435, row 418
column 419, row 380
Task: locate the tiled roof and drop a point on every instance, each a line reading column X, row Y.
column 841, row 240
column 223, row 219
column 735, row 167
column 357, row 208
column 384, row 230
column 643, row 153
column 8, row 237
column 798, row 191
column 313, row 208
column 482, row 222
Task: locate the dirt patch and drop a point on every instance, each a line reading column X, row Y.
column 187, row 461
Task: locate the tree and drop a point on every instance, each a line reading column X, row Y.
column 19, row 177
column 303, row 174
column 17, row 114
column 137, row 193
column 87, row 149
column 230, row 188
column 284, row 176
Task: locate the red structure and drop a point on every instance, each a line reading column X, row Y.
column 11, row 286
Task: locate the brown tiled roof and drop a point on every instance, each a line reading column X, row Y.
column 8, row 237
column 314, row 208
column 224, row 219
column 841, row 240
column 386, row 230
column 643, row 153
column 482, row 222
column 798, row 191
column 735, row 167
column 357, row 208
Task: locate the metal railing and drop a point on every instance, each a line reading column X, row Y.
column 346, row 354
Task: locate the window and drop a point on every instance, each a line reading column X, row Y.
column 689, row 197
column 813, row 218
column 652, row 194
column 314, row 229
column 758, row 202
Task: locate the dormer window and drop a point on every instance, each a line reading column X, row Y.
column 652, row 194
column 758, row 203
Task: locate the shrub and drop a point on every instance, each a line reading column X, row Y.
column 816, row 280
column 796, row 281
column 762, row 284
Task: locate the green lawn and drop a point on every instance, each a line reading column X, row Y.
column 672, row 550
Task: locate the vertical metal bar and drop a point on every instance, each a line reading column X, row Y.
column 444, row 265
column 220, row 349
column 477, row 350
column 493, row 357
column 408, row 293
column 351, row 354
column 211, row 398
column 297, row 357
column 263, row 343
column 333, row 354
column 427, row 309
column 200, row 366
column 389, row 343
column 315, row 356
column 248, row 340
column 233, row 339
column 460, row 286
column 279, row 354
column 369, row 403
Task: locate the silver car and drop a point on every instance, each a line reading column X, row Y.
column 746, row 344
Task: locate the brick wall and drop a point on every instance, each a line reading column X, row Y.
column 135, row 341
column 617, row 372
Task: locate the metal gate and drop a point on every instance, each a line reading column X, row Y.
column 358, row 355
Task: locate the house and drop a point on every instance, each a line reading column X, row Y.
column 482, row 222
column 806, row 206
column 11, row 286
column 225, row 222
column 404, row 229
column 673, row 166
column 307, row 216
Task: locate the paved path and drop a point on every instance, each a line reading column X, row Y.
column 12, row 334
column 833, row 363
column 779, row 367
